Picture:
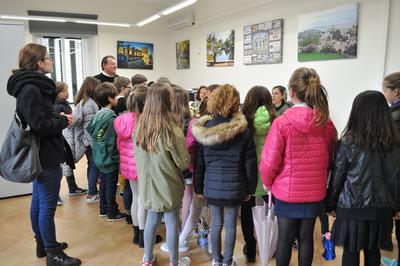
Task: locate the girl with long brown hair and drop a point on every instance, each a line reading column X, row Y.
column 161, row 157
column 295, row 162
column 259, row 112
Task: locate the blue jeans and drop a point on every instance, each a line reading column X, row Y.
column 92, row 173
column 108, row 189
column 223, row 216
column 43, row 206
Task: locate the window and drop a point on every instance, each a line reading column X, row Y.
column 68, row 57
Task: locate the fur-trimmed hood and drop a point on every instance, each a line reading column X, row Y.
column 210, row 130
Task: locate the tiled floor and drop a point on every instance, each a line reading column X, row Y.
column 96, row 241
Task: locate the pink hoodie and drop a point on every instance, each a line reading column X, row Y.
column 124, row 126
column 296, row 156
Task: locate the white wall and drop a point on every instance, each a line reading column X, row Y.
column 107, row 44
column 342, row 78
column 393, row 47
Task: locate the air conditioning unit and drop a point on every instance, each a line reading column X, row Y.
column 181, row 21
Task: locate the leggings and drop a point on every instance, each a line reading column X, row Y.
column 372, row 257
column 195, row 211
column 138, row 211
column 186, row 202
column 171, row 222
column 289, row 229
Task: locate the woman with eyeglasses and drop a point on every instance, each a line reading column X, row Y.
column 35, row 94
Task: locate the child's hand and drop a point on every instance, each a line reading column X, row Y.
column 247, row 198
column 332, row 213
column 69, row 117
column 200, row 196
column 397, row 217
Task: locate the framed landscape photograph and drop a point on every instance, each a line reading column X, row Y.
column 134, row 55
column 182, row 54
column 329, row 34
column 262, row 43
column 221, row 49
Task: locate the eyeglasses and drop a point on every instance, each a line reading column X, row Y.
column 48, row 58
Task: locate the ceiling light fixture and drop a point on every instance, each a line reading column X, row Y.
column 177, row 7
column 32, row 18
column 148, row 20
column 102, row 23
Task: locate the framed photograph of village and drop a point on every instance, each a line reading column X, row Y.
column 329, row 34
column 134, row 55
column 262, row 43
column 221, row 49
column 182, row 54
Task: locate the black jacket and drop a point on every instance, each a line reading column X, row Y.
column 61, row 106
column 104, row 78
column 226, row 159
column 395, row 109
column 364, row 185
column 35, row 94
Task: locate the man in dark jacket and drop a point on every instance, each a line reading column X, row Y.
column 109, row 67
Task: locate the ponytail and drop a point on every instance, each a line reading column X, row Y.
column 307, row 86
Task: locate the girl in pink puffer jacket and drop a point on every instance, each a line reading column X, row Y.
column 295, row 161
column 124, row 127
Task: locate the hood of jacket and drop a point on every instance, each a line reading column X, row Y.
column 29, row 77
column 219, row 131
column 124, row 125
column 262, row 121
column 302, row 119
column 101, row 122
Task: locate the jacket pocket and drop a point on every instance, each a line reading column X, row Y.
column 99, row 153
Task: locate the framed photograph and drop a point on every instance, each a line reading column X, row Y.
column 221, row 49
column 262, row 43
column 183, row 54
column 134, row 55
column 329, row 34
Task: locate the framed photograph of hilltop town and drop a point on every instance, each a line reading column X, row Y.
column 221, row 49
column 134, row 55
column 329, row 34
column 262, row 43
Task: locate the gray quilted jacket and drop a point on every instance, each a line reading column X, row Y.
column 76, row 135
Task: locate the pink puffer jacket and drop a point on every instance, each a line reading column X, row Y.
column 124, row 126
column 296, row 156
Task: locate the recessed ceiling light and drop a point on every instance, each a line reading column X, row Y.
column 32, row 18
column 177, row 7
column 148, row 20
column 102, row 23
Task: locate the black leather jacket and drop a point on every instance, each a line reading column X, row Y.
column 364, row 184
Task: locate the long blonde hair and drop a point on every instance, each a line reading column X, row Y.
column 157, row 120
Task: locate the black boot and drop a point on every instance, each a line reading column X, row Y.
column 250, row 252
column 141, row 238
column 41, row 252
column 135, row 235
column 57, row 257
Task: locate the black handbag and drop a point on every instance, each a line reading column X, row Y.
column 19, row 155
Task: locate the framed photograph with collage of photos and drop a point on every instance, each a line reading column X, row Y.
column 262, row 42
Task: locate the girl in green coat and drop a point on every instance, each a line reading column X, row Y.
column 161, row 159
column 260, row 113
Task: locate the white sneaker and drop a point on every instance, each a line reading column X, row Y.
column 60, row 202
column 93, row 199
column 216, row 263
column 183, row 247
